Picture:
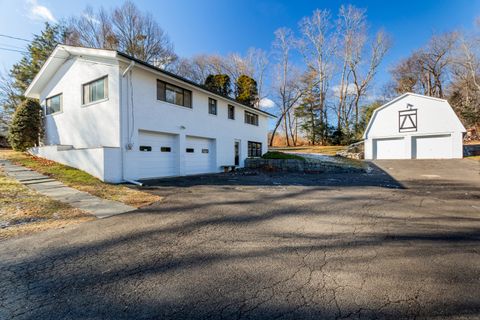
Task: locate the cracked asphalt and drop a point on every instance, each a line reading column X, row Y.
column 402, row 242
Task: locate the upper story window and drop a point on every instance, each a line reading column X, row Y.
column 251, row 118
column 212, row 106
column 170, row 93
column 53, row 104
column 95, row 91
column 231, row 112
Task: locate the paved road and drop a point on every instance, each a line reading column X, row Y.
column 404, row 243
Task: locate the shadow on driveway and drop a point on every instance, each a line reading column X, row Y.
column 375, row 177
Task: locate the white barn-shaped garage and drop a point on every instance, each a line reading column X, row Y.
column 413, row 126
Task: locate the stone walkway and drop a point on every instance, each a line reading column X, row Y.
column 56, row 190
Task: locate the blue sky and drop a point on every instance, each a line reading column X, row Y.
column 216, row 26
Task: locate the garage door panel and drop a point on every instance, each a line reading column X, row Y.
column 155, row 163
column 432, row 147
column 201, row 160
column 391, row 148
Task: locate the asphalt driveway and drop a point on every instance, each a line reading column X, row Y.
column 402, row 241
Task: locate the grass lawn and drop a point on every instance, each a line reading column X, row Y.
column 474, row 158
column 81, row 180
column 281, row 155
column 327, row 150
column 24, row 211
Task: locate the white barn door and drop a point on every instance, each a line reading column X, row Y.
column 391, row 148
column 433, row 147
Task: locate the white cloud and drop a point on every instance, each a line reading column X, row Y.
column 39, row 12
column 350, row 90
column 266, row 103
column 90, row 18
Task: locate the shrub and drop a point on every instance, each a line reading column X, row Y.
column 25, row 129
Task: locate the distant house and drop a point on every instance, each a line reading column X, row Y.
column 119, row 119
column 413, row 126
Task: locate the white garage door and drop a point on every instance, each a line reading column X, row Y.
column 157, row 155
column 392, row 148
column 432, row 147
column 199, row 155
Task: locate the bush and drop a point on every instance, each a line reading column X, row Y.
column 25, row 129
column 281, row 155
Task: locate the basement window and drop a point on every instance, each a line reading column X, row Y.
column 190, row 150
column 166, row 149
column 145, row 148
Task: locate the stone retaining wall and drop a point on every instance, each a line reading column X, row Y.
column 294, row 165
column 471, row 150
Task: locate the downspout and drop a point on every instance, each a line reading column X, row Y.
column 123, row 142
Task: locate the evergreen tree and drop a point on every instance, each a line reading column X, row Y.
column 25, row 129
column 246, row 91
column 219, row 83
column 13, row 86
column 37, row 53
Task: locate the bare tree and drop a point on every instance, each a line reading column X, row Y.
column 126, row 29
column 427, row 70
column 362, row 80
column 318, row 45
column 351, row 26
column 286, row 83
column 9, row 100
column 92, row 29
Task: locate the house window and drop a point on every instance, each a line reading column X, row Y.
column 190, row 150
column 53, row 104
column 166, row 149
column 204, row 150
column 251, row 118
column 254, row 149
column 95, row 91
column 145, row 148
column 231, row 112
column 170, row 93
column 212, row 106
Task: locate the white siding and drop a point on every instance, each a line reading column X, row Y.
column 435, row 117
column 94, row 125
column 151, row 114
column 103, row 163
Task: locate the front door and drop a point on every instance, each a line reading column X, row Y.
column 237, row 153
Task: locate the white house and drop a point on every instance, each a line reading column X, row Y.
column 413, row 126
column 122, row 119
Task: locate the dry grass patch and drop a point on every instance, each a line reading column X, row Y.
column 24, row 211
column 327, row 150
column 81, row 180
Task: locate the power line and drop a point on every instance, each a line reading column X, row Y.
column 11, row 46
column 13, row 50
column 15, row 38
